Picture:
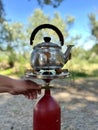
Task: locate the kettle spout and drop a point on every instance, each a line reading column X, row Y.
column 67, row 54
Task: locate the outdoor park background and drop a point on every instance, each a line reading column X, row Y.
column 16, row 28
column 78, row 94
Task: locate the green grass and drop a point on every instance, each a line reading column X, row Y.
column 82, row 68
column 6, row 72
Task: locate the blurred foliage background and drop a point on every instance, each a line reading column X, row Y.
column 15, row 48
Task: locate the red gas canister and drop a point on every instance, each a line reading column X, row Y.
column 47, row 113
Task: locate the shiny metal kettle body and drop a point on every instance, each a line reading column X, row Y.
column 48, row 55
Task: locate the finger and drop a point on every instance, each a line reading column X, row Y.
column 27, row 96
column 35, row 94
column 31, row 94
column 39, row 92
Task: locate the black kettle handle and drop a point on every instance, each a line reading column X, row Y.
column 50, row 26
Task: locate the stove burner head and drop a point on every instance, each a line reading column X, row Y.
column 47, row 74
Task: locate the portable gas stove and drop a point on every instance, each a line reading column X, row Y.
column 47, row 61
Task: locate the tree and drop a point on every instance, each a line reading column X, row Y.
column 94, row 25
column 54, row 3
column 2, row 19
column 38, row 17
column 16, row 36
column 2, row 12
column 13, row 40
column 94, row 49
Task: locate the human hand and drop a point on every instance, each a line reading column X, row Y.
column 27, row 88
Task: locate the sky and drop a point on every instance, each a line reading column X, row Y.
column 21, row 10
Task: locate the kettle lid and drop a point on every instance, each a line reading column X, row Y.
column 47, row 43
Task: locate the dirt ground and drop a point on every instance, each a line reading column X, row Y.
column 78, row 100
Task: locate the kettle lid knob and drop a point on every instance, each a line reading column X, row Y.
column 47, row 39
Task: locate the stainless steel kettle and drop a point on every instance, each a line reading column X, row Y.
column 48, row 55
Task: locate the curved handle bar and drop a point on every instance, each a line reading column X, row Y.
column 50, row 27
